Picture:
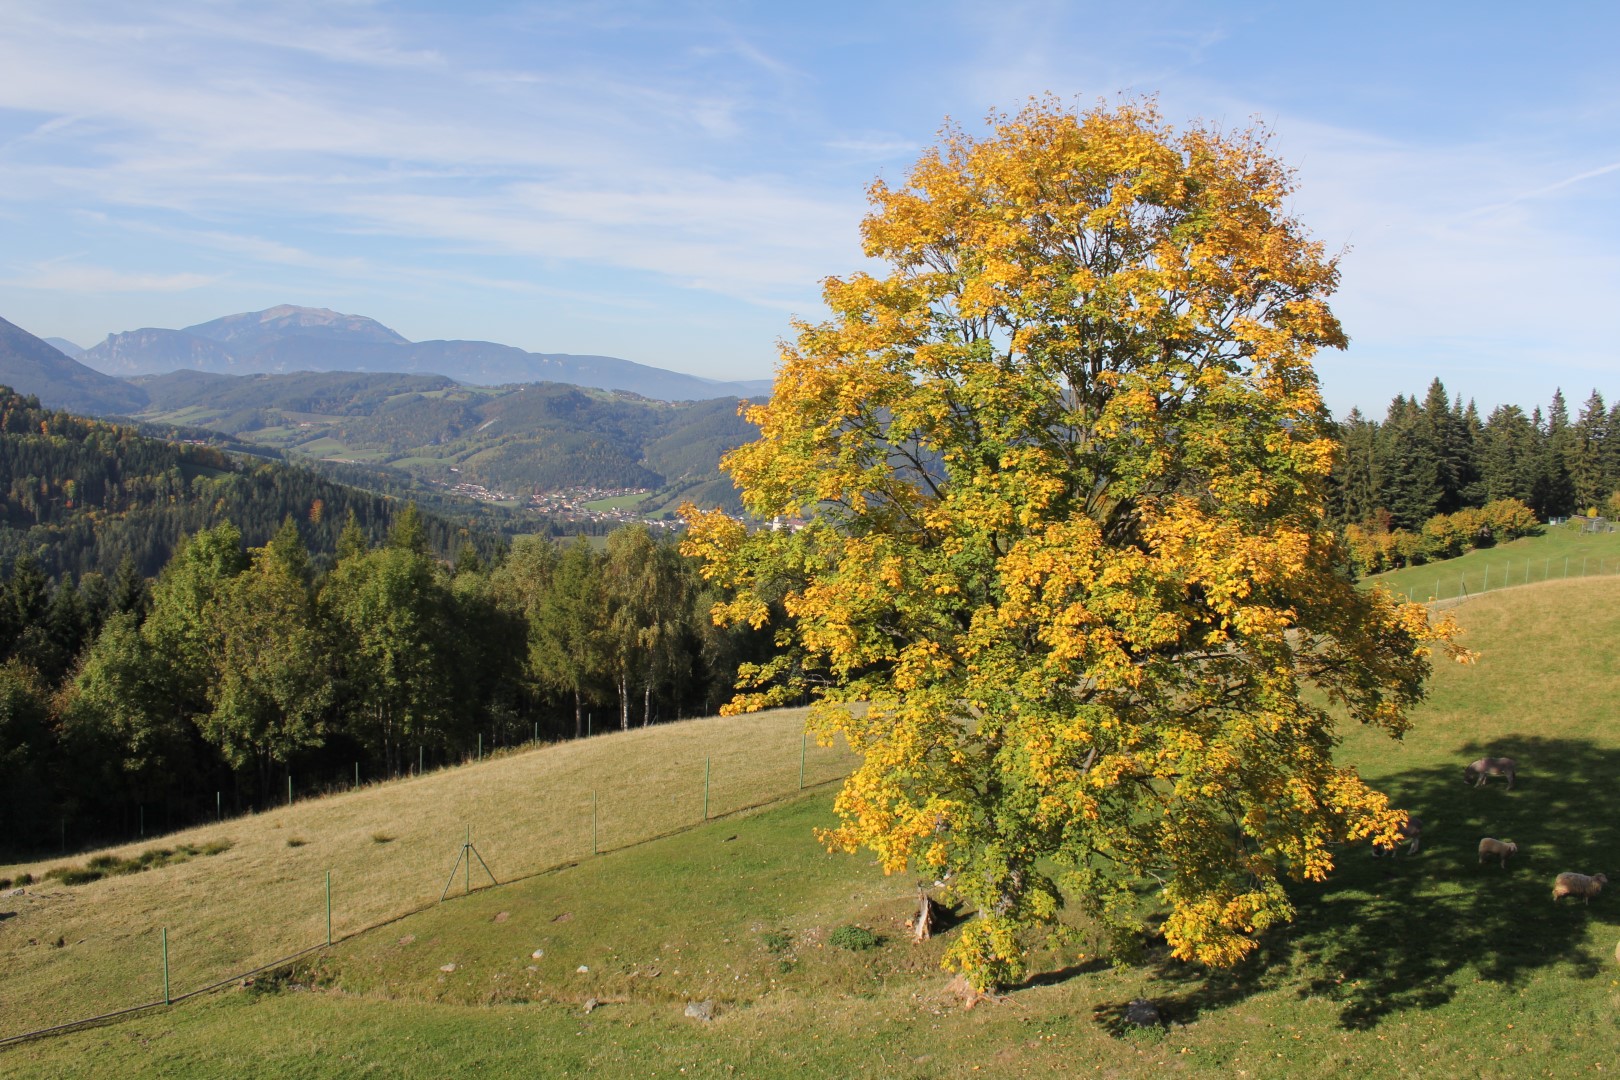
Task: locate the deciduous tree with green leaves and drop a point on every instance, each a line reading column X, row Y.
column 1062, row 471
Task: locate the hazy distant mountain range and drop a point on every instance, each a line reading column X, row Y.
column 287, row 338
column 469, row 414
column 30, row 366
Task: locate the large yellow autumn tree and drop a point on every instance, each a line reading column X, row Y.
column 1062, row 470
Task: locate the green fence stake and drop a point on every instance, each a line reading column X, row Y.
column 589, row 717
column 480, row 746
column 329, row 909
column 289, row 789
column 357, row 776
column 705, row 789
column 219, row 806
column 166, row 997
column 593, row 821
column 418, row 761
column 143, row 820
column 537, row 731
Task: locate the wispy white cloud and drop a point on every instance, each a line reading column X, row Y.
column 71, row 277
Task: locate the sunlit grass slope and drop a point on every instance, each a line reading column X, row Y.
column 390, row 849
column 1427, row 963
column 1561, row 552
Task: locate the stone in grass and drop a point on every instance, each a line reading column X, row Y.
column 503, row 916
column 700, row 1010
column 448, row 967
column 582, row 970
column 1142, row 1013
column 591, row 1005
column 537, row 954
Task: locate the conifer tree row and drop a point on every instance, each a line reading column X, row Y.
column 240, row 666
column 1436, row 457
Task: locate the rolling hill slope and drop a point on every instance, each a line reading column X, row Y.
column 1429, row 959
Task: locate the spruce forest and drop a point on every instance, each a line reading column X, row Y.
column 182, row 627
column 180, row 622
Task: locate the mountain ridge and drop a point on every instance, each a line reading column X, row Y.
column 30, row 365
column 288, row 338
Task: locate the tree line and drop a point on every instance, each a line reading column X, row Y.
column 241, row 666
column 80, row 496
column 1433, row 478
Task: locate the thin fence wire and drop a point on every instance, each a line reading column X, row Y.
column 710, row 815
column 1507, row 574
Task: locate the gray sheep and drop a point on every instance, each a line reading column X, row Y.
column 1497, row 849
column 1485, row 767
column 1580, row 885
column 1411, row 834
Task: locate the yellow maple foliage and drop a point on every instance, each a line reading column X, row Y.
column 1062, row 474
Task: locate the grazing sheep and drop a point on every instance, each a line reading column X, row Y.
column 1485, row 767
column 1411, row 834
column 1497, row 849
column 1578, row 885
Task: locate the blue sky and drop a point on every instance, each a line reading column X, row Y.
column 668, row 182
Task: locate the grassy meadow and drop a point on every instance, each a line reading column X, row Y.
column 1560, row 553
column 1427, row 962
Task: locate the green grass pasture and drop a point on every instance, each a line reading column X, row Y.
column 1428, row 963
column 1560, row 553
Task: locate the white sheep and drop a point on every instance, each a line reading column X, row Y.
column 1410, row 833
column 1497, row 849
column 1580, row 885
column 1477, row 772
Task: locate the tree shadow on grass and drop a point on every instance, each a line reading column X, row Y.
column 1388, row 935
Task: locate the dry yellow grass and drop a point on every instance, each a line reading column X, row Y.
column 264, row 899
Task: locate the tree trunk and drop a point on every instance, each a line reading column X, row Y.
column 579, row 718
column 922, row 927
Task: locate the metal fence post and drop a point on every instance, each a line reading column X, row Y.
column 166, row 997
column 329, row 909
column 593, row 821
column 705, row 789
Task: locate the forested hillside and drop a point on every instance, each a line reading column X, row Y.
column 84, row 495
column 242, row 667
column 520, row 440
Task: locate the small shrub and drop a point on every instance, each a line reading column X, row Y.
column 24, row 879
column 5, row 883
column 777, row 941
column 853, row 938
column 381, row 838
column 74, row 875
column 296, row 841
